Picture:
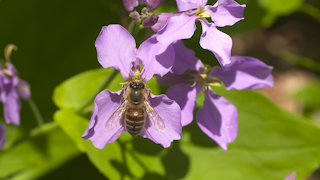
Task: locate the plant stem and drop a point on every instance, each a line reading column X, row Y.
column 36, row 112
column 102, row 86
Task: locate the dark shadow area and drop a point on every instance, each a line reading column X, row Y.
column 153, row 176
column 176, row 163
column 145, row 146
column 122, row 168
column 77, row 168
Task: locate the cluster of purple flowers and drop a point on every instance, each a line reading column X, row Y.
column 165, row 55
column 11, row 88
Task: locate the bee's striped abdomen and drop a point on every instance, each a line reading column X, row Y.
column 134, row 120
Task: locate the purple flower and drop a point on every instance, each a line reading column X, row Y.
column 129, row 5
column 116, row 48
column 11, row 87
column 2, row 135
column 218, row 117
column 291, row 176
column 181, row 25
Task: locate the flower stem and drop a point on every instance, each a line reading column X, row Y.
column 102, row 86
column 36, row 112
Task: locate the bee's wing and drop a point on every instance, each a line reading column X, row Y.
column 155, row 120
column 115, row 120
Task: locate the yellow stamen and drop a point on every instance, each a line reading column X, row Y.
column 7, row 72
column 137, row 75
column 8, row 50
column 204, row 76
column 202, row 14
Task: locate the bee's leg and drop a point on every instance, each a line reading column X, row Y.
column 122, row 92
column 149, row 92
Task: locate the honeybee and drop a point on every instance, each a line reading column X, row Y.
column 132, row 112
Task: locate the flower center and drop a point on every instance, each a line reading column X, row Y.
column 202, row 14
column 207, row 81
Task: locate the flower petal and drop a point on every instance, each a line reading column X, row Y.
column 106, row 103
column 226, row 12
column 23, row 89
column 155, row 57
column 116, row 48
column 2, row 135
column 130, row 4
column 291, row 176
column 244, row 73
column 172, row 79
column 162, row 20
column 178, row 27
column 12, row 107
column 170, row 113
column 184, row 5
column 217, row 42
column 185, row 59
column 218, row 119
column 185, row 95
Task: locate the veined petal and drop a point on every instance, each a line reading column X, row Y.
column 185, row 95
column 178, row 27
column 116, row 48
column 163, row 19
column 185, row 5
column 185, row 59
column 244, row 73
column 12, row 107
column 2, row 135
column 170, row 113
column 23, row 89
column 130, row 4
column 217, row 42
column 155, row 57
column 218, row 119
column 106, row 103
column 226, row 12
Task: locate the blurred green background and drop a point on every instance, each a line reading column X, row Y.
column 56, row 41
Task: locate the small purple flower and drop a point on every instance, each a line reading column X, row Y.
column 181, row 25
column 11, row 87
column 116, row 48
column 129, row 5
column 218, row 118
column 2, row 135
column 291, row 176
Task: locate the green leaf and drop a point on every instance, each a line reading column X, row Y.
column 271, row 143
column 35, row 156
column 74, row 91
column 309, row 95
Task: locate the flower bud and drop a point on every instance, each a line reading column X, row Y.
column 129, row 5
column 153, row 4
column 134, row 15
column 150, row 21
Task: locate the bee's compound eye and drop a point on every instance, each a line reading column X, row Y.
column 141, row 86
column 132, row 85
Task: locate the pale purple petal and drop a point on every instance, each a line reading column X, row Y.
column 217, row 42
column 226, row 12
column 178, row 27
column 162, row 20
column 244, row 73
column 155, row 57
column 106, row 103
column 129, row 5
column 218, row 119
column 185, row 95
column 170, row 113
column 291, row 176
column 185, row 59
column 116, row 48
column 23, row 89
column 2, row 135
column 184, row 5
column 12, row 107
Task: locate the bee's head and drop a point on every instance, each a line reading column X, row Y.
column 136, row 85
